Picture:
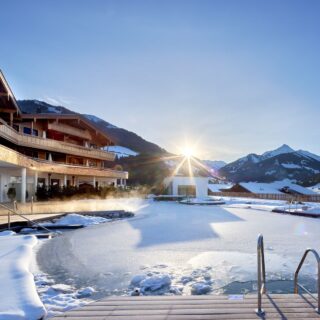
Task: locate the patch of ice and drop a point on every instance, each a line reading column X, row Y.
column 200, row 288
column 155, row 283
column 86, row 292
column 136, row 280
column 61, row 287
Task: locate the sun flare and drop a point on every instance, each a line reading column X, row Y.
column 187, row 152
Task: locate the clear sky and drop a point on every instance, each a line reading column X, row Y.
column 232, row 76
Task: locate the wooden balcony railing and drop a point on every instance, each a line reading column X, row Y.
column 15, row 158
column 51, row 145
column 82, row 168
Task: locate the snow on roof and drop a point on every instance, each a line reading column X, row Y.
column 315, row 188
column 256, row 187
column 301, row 189
column 216, row 187
column 274, row 187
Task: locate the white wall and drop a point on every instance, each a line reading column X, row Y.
column 201, row 184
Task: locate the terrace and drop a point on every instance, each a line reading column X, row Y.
column 36, row 142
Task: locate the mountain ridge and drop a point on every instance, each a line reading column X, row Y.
column 284, row 162
column 120, row 136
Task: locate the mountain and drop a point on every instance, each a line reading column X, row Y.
column 120, row 136
column 214, row 164
column 36, row 106
column 281, row 150
column 125, row 138
column 284, row 162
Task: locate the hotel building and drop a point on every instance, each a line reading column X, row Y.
column 50, row 150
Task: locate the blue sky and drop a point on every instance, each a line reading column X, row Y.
column 232, row 77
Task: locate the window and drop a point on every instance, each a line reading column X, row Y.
column 30, row 131
column 186, row 190
column 26, row 130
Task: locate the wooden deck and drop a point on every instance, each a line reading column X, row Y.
column 276, row 306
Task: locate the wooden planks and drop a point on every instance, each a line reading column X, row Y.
column 277, row 306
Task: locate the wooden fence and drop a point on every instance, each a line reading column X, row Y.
column 269, row 196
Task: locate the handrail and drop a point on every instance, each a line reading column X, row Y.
column 24, row 217
column 261, row 274
column 297, row 285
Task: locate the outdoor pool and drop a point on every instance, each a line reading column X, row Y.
column 169, row 248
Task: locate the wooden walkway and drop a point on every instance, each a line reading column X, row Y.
column 276, row 306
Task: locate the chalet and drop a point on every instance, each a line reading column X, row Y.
column 276, row 187
column 219, row 187
column 50, row 150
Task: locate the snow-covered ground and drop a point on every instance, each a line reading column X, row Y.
column 18, row 295
column 74, row 218
column 167, row 248
column 170, row 248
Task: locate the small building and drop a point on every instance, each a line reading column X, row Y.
column 219, row 187
column 187, row 186
column 276, row 187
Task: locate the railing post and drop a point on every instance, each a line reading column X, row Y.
column 318, row 309
column 9, row 222
column 261, row 274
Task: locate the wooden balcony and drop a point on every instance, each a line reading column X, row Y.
column 14, row 158
column 60, row 127
column 52, row 145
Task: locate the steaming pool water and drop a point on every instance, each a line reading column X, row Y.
column 169, row 248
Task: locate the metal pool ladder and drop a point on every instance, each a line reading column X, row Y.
column 297, row 285
column 262, row 276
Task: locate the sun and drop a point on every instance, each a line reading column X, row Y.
column 187, row 152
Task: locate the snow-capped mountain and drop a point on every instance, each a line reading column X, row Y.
column 121, row 152
column 281, row 150
column 282, row 163
column 36, row 106
column 214, row 164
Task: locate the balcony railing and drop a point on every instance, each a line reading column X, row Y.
column 52, row 145
column 113, row 173
column 15, row 158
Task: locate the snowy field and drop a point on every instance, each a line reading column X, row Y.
column 167, row 248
